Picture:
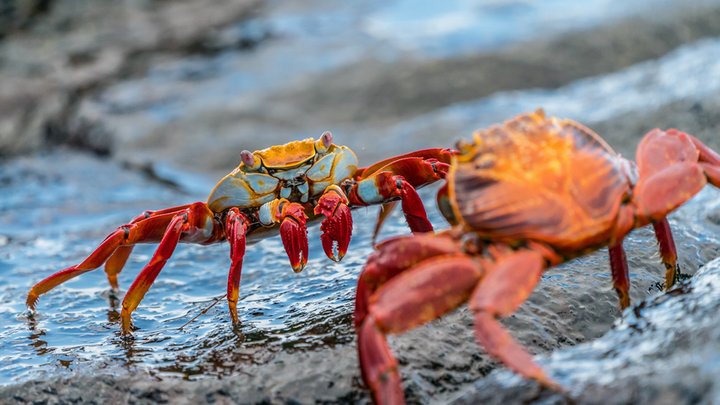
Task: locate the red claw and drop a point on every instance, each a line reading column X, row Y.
column 337, row 226
column 293, row 232
column 414, row 210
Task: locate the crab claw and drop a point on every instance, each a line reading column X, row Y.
column 337, row 226
column 293, row 232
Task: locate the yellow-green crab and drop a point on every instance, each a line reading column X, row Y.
column 278, row 187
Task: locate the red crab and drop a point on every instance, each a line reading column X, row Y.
column 279, row 187
column 523, row 196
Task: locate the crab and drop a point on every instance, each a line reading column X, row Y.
column 278, row 188
column 522, row 197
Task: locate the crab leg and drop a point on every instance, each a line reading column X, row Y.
column 620, row 273
column 673, row 166
column 236, row 226
column 394, row 256
column 293, row 229
column 192, row 223
column 420, row 294
column 507, row 285
column 116, row 262
column 669, row 172
column 337, row 225
column 385, row 186
column 398, row 178
column 668, row 253
column 141, row 229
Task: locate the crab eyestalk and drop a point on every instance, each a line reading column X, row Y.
column 249, row 160
column 324, row 142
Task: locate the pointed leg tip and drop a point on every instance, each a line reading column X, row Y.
column 624, row 303
column 31, row 301
column 125, row 322
column 234, row 318
column 552, row 385
column 126, row 330
column 297, row 268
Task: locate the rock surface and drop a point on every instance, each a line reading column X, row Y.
column 65, row 49
column 193, row 101
column 664, row 351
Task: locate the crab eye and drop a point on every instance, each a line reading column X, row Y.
column 247, row 157
column 327, row 138
column 323, row 144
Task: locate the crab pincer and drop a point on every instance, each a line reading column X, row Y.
column 337, row 225
column 276, row 188
column 293, row 232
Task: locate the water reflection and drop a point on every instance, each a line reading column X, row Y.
column 182, row 326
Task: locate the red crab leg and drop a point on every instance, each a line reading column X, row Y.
column 398, row 177
column 384, row 187
column 440, row 155
column 620, row 273
column 709, row 161
column 424, row 292
column 394, row 256
column 668, row 253
column 669, row 173
column 507, row 285
column 190, row 223
column 116, row 262
column 148, row 229
column 236, row 226
column 337, row 225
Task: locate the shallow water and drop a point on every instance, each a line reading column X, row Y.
column 55, row 208
column 53, row 219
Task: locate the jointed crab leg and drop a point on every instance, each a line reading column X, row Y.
column 141, row 229
column 425, row 292
column 399, row 177
column 508, row 284
column 195, row 223
column 668, row 253
column 116, row 262
column 422, row 280
column 236, row 226
column 147, row 276
column 620, row 273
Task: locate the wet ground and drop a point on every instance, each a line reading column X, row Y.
column 175, row 119
column 664, row 351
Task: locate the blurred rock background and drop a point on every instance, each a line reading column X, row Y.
column 111, row 107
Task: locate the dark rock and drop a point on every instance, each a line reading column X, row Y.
column 664, row 351
column 73, row 47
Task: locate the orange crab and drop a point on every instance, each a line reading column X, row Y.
column 523, row 197
column 275, row 188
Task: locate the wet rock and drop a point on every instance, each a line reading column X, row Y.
column 344, row 82
column 406, row 88
column 675, row 91
column 19, row 14
column 664, row 351
column 297, row 342
column 72, row 47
